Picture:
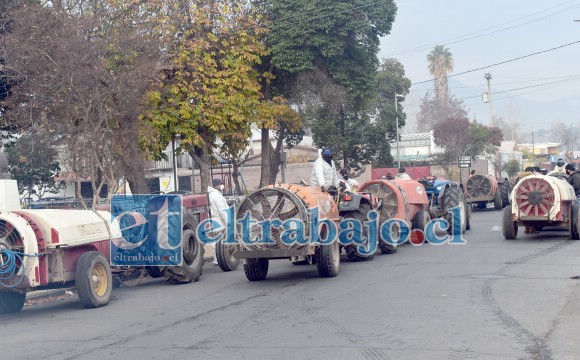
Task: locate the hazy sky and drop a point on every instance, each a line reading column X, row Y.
column 481, row 33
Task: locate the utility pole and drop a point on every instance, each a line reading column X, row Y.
column 397, row 121
column 488, row 78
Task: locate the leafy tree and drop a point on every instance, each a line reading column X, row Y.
column 33, row 163
column 391, row 81
column 512, row 168
column 460, row 137
column 432, row 110
column 211, row 86
column 330, row 45
column 440, row 63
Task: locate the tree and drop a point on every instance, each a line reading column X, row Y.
column 337, row 50
column 440, row 63
column 210, row 86
column 512, row 168
column 391, row 81
column 460, row 137
column 433, row 110
column 33, row 163
column 80, row 73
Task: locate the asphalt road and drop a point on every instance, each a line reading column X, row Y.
column 489, row 299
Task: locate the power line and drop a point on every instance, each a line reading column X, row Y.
column 501, row 63
column 473, row 35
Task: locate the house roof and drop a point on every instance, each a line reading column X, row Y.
column 508, row 146
column 416, row 136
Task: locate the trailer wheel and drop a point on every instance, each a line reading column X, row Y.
column 11, row 302
column 328, row 259
column 573, row 224
column 352, row 253
column 508, row 226
column 497, row 200
column 154, row 271
column 256, row 269
column 387, row 248
column 192, row 267
column 225, row 256
column 504, row 188
column 93, row 280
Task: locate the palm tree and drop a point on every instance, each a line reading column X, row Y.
column 440, row 63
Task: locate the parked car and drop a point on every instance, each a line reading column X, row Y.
column 56, row 202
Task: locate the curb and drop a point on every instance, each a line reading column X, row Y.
column 45, row 294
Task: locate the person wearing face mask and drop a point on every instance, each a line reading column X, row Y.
column 323, row 171
column 217, row 207
column 350, row 184
column 560, row 166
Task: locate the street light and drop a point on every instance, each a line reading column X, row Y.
column 397, row 96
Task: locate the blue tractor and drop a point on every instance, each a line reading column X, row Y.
column 444, row 195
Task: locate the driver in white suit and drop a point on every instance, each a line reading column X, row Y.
column 323, row 171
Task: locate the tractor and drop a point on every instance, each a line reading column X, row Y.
column 538, row 201
column 306, row 207
column 483, row 189
column 443, row 196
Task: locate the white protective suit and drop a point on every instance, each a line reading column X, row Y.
column 217, row 207
column 351, row 184
column 403, row 176
column 323, row 174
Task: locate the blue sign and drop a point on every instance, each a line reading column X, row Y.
column 151, row 229
column 553, row 158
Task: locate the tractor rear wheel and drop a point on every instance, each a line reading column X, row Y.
column 11, row 302
column 192, row 267
column 453, row 197
column 256, row 269
column 504, row 189
column 497, row 200
column 388, row 248
column 328, row 259
column 508, row 226
column 351, row 250
column 93, row 280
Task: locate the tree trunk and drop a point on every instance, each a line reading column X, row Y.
column 276, row 156
column 235, row 177
column 265, row 169
column 202, row 159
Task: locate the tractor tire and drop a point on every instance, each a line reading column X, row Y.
column 192, row 266
column 573, row 224
column 11, row 302
column 387, row 248
column 467, row 216
column 504, row 189
column 256, row 269
column 421, row 220
column 154, row 272
column 93, row 280
column 497, row 201
column 508, row 226
column 225, row 258
column 328, row 259
column 352, row 253
column 453, row 197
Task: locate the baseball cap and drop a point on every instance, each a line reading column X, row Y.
column 216, row 182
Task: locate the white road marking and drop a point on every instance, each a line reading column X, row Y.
column 496, row 228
